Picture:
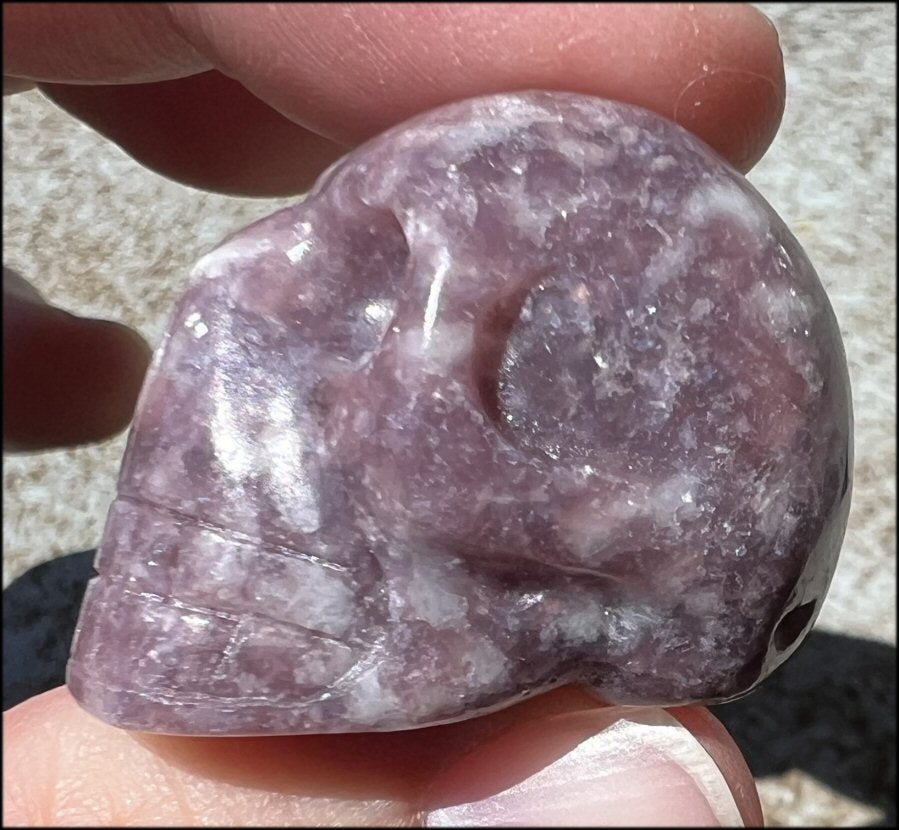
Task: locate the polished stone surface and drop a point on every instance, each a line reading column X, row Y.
column 532, row 389
column 76, row 222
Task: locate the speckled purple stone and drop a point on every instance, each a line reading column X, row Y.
column 532, row 389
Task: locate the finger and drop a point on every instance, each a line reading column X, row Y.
column 96, row 43
column 362, row 67
column 710, row 732
column 205, row 130
column 65, row 767
column 11, row 86
column 346, row 71
column 66, row 380
column 600, row 767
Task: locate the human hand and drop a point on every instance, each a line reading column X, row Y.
column 212, row 95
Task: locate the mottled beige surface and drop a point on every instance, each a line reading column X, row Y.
column 100, row 236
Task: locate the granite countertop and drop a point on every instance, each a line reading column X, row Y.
column 99, row 235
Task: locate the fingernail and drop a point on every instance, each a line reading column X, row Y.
column 732, row 105
column 767, row 19
column 614, row 767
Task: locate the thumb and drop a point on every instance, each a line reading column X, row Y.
column 609, row 767
column 556, row 759
column 66, row 380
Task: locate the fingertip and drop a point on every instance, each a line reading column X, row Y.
column 64, row 767
column 716, row 740
column 25, row 741
column 67, row 380
column 602, row 767
column 716, row 68
column 734, row 99
column 328, row 76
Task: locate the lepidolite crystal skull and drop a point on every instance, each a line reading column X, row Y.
column 532, row 389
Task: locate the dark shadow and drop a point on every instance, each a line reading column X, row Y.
column 39, row 613
column 829, row 711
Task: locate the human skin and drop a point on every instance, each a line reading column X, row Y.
column 256, row 100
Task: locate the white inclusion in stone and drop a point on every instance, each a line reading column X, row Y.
column 298, row 251
column 378, row 311
column 226, row 432
column 581, row 625
column 433, row 604
column 591, row 526
column 195, row 622
column 195, row 323
column 700, row 308
column 286, row 461
column 627, row 624
column 433, row 304
column 628, row 134
column 724, row 198
column 424, row 589
column 771, row 505
column 329, row 605
column 587, row 155
column 779, row 308
column 369, row 701
column 668, row 496
column 304, row 592
column 451, row 342
column 528, row 599
column 600, row 361
column 670, row 261
column 660, row 163
column 742, row 425
column 687, row 437
column 322, row 663
column 485, row 664
column 221, row 261
column 280, row 411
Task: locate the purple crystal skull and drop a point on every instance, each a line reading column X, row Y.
column 532, row 389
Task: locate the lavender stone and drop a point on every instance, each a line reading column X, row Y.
column 532, row 389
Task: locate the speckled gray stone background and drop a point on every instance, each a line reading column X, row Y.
column 100, row 236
